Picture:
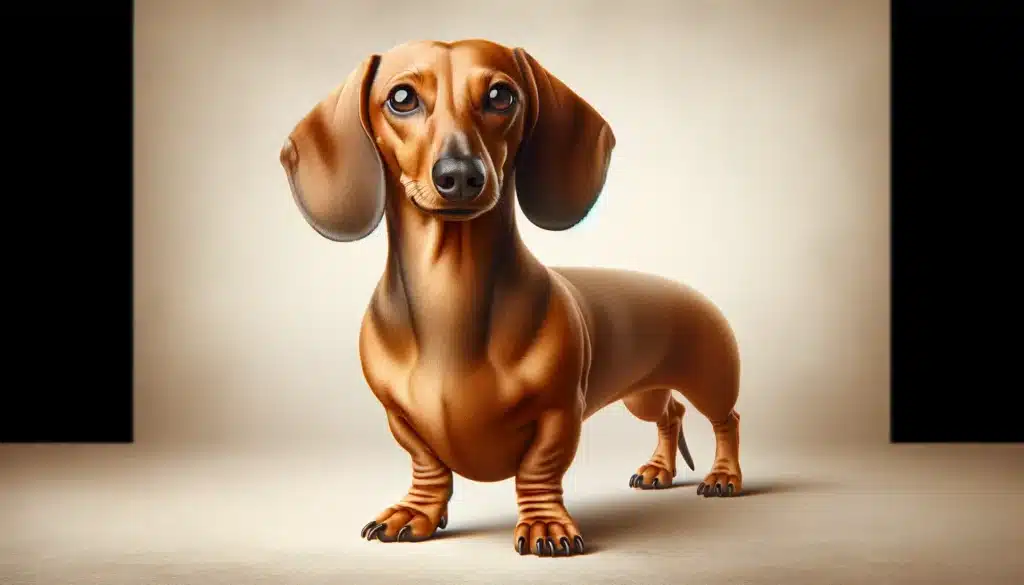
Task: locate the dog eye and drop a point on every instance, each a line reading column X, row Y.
column 500, row 98
column 403, row 100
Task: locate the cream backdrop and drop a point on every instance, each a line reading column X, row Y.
column 752, row 163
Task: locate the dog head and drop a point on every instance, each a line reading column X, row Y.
column 454, row 125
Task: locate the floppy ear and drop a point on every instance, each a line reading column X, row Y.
column 567, row 146
column 332, row 163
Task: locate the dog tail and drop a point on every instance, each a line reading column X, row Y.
column 684, row 450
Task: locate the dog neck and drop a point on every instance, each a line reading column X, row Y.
column 445, row 278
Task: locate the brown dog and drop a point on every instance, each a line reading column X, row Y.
column 487, row 362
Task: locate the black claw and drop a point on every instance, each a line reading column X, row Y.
column 654, row 484
column 375, row 532
column 632, row 480
column 564, row 542
column 443, row 523
column 709, row 490
column 521, row 545
column 371, row 524
column 718, row 489
column 578, row 542
column 539, row 547
column 403, row 533
column 551, row 547
column 730, row 489
column 700, row 488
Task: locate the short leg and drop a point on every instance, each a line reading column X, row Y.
column 544, row 527
column 425, row 508
column 659, row 407
column 725, row 478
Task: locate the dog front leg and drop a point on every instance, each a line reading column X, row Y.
column 425, row 508
column 544, row 526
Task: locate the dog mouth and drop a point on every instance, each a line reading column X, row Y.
column 451, row 212
column 455, row 212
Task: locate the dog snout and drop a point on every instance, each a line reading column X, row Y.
column 459, row 178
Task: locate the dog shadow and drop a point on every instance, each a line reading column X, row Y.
column 636, row 514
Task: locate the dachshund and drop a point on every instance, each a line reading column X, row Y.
column 486, row 361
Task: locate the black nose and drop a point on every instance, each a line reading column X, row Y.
column 458, row 178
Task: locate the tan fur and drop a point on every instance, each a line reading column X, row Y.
column 487, row 362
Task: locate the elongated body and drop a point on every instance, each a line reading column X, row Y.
column 487, row 362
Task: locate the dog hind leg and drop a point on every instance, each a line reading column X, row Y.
column 725, row 477
column 712, row 387
column 658, row 406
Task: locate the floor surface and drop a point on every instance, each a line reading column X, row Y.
column 925, row 515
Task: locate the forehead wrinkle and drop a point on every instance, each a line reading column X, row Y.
column 476, row 68
column 408, row 72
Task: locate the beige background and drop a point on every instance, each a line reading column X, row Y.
column 752, row 163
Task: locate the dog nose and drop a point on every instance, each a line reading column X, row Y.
column 459, row 178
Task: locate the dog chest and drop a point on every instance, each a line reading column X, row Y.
column 465, row 419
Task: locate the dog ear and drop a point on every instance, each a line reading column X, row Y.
column 563, row 160
column 333, row 167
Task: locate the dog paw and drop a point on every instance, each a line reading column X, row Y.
column 403, row 524
column 720, row 484
column 651, row 477
column 548, row 538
